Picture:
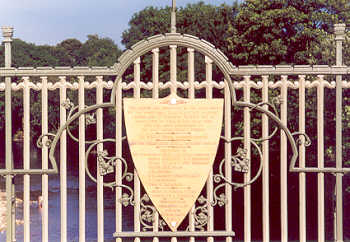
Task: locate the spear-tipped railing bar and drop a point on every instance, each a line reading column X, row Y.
column 339, row 38
column 173, row 17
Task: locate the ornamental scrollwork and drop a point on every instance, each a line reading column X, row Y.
column 40, row 143
column 240, row 162
column 200, row 214
column 147, row 215
column 105, row 164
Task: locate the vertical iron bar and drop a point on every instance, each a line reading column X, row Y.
column 63, row 161
column 173, row 88
column 265, row 172
column 190, row 60
column 247, row 176
column 284, row 165
column 173, row 17
column 210, row 186
column 228, row 167
column 119, row 153
column 137, row 184
column 155, row 73
column 99, row 126
column 45, row 161
column 173, row 69
column 26, row 158
column 7, row 33
column 320, row 157
column 155, row 95
column 340, row 36
column 81, row 103
column 190, row 73
column 302, row 175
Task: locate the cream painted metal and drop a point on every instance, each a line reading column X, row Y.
column 173, row 70
column 228, row 167
column 247, row 147
column 190, row 73
column 210, row 185
column 283, row 172
column 172, row 42
column 320, row 155
column 155, row 94
column 63, row 160
column 265, row 172
column 302, row 175
column 137, row 184
column 82, row 200
column 26, row 158
column 45, row 161
column 340, row 37
column 119, row 153
column 99, row 131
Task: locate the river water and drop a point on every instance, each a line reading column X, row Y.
column 72, row 210
column 54, row 206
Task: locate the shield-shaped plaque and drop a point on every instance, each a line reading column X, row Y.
column 173, row 143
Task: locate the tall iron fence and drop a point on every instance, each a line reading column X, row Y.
column 299, row 201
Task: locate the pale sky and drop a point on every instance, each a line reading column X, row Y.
column 52, row 21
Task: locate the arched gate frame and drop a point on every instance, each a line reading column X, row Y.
column 239, row 161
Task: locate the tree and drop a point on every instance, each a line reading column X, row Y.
column 98, row 51
column 205, row 21
column 95, row 51
column 69, row 52
column 282, row 31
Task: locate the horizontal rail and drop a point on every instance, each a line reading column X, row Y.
column 240, row 70
column 58, row 71
column 181, row 85
column 290, row 70
column 28, row 171
column 175, row 234
column 321, row 170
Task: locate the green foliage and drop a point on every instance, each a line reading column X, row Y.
column 205, row 21
column 282, row 31
column 99, row 52
column 95, row 51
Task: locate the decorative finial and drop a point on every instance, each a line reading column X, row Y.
column 339, row 30
column 173, row 17
column 7, row 33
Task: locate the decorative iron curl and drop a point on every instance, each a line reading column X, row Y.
column 281, row 126
column 147, row 215
column 275, row 101
column 239, row 162
column 106, row 165
column 300, row 141
column 67, row 104
column 89, row 119
column 200, row 214
column 40, row 142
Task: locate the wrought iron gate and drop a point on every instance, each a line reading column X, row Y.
column 214, row 214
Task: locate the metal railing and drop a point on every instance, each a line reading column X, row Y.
column 203, row 215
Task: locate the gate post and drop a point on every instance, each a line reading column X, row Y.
column 7, row 33
column 339, row 30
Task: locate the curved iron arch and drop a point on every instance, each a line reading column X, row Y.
column 184, row 40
